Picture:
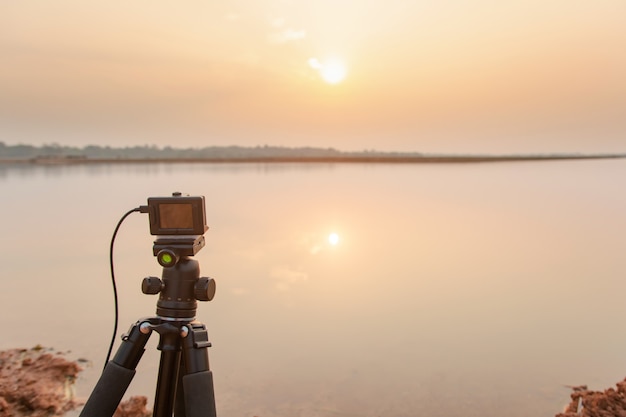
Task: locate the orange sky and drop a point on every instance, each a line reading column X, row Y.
column 446, row 76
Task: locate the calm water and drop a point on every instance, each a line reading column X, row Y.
column 474, row 290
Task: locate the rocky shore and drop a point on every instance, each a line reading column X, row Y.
column 39, row 382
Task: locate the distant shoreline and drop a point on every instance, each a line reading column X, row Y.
column 374, row 159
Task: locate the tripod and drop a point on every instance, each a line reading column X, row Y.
column 185, row 382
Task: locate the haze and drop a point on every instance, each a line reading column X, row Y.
column 448, row 76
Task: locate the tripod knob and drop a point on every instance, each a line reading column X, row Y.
column 151, row 285
column 204, row 290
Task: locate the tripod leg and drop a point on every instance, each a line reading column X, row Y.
column 197, row 382
column 179, row 402
column 117, row 375
column 166, row 384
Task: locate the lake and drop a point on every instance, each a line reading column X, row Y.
column 375, row 290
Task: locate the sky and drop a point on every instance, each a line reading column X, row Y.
column 395, row 75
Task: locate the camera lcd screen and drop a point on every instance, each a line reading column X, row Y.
column 179, row 215
column 176, row 216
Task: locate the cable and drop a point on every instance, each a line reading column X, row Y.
column 138, row 209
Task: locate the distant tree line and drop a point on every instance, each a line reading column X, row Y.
column 153, row 152
column 54, row 150
column 55, row 153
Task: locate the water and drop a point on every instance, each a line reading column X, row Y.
column 477, row 289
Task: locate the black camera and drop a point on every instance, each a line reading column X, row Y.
column 179, row 222
column 177, row 215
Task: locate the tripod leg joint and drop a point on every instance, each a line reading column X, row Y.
column 199, row 336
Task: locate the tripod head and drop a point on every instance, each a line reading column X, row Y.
column 179, row 223
column 180, row 287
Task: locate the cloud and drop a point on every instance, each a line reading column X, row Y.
column 282, row 33
column 315, row 249
column 287, row 35
column 285, row 277
column 315, row 63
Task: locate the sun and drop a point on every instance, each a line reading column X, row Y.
column 333, row 239
column 333, row 71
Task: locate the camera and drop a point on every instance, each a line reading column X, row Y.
column 179, row 222
column 177, row 215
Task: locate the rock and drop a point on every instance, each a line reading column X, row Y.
column 39, row 383
column 586, row 403
column 134, row 407
column 36, row 383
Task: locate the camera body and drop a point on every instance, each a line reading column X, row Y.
column 177, row 215
column 179, row 222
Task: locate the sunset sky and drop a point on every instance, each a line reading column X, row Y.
column 439, row 76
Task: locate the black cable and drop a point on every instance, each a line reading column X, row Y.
column 138, row 209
